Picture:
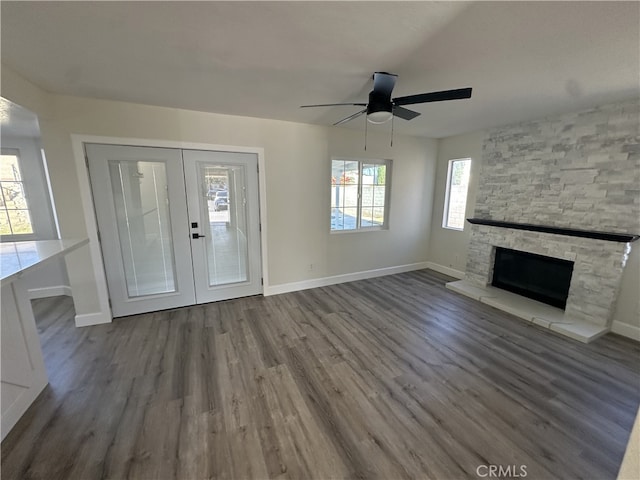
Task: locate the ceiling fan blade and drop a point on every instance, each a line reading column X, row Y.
column 334, row 105
column 433, row 97
column 384, row 82
column 405, row 113
column 350, row 117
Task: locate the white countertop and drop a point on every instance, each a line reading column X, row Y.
column 17, row 258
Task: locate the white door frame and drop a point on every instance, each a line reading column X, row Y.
column 78, row 141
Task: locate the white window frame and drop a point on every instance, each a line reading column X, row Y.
column 35, row 189
column 447, row 197
column 387, row 193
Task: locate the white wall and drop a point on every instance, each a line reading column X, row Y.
column 626, row 319
column 448, row 248
column 413, row 170
column 297, row 159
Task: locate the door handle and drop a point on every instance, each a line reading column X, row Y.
column 196, row 236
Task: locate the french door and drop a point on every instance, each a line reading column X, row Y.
column 177, row 227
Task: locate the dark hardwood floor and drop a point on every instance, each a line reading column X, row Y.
column 390, row 378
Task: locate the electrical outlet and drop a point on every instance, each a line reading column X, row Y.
column 311, row 267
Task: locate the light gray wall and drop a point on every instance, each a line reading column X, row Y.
column 298, row 173
column 448, row 247
column 626, row 319
column 297, row 159
column 412, row 183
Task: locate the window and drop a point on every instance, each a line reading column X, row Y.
column 456, row 197
column 360, row 194
column 15, row 218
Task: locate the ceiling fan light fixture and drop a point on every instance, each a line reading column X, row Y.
column 382, row 107
column 381, row 116
column 379, row 108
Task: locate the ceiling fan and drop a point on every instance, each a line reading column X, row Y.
column 382, row 108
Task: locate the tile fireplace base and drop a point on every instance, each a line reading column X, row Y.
column 538, row 313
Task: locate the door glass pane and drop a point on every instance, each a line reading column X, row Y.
column 225, row 206
column 144, row 226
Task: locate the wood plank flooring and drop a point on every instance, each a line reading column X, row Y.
column 390, row 378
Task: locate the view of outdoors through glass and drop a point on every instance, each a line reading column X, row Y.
column 226, row 240
column 358, row 192
column 459, row 172
column 14, row 211
column 373, row 194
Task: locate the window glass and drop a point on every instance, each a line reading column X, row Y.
column 456, row 196
column 358, row 194
column 15, row 218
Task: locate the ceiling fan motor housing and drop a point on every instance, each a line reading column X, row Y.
column 379, row 108
column 379, row 102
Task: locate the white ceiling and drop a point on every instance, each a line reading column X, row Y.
column 524, row 60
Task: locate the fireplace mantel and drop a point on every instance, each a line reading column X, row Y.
column 608, row 236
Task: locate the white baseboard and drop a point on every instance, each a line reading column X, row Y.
column 626, row 330
column 446, row 270
column 96, row 318
column 333, row 280
column 83, row 320
column 54, row 291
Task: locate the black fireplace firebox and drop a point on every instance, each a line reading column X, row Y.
column 541, row 278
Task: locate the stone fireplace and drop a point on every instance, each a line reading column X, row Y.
column 574, row 183
column 593, row 291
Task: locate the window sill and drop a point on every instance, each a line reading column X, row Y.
column 28, row 237
column 359, row 230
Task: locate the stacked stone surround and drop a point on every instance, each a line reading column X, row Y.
column 597, row 269
column 579, row 171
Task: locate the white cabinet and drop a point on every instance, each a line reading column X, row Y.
column 22, row 372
